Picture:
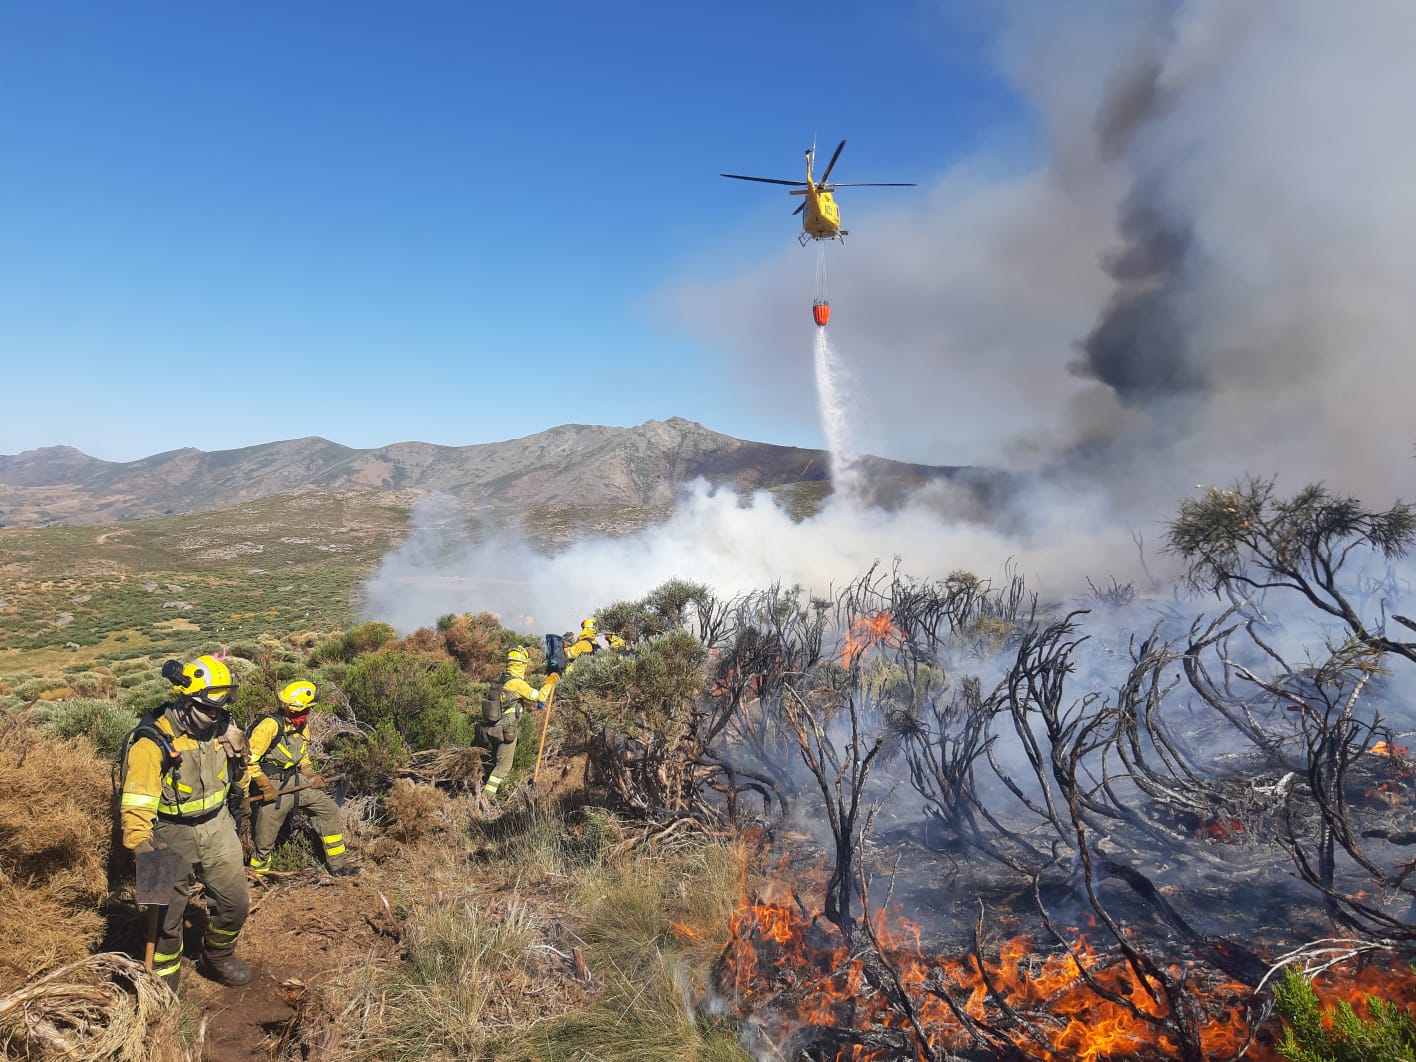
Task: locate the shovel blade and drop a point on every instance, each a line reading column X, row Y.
column 156, row 873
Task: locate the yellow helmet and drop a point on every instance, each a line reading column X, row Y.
column 588, row 627
column 299, row 695
column 206, row 680
column 518, row 656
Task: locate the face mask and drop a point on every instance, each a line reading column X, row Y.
column 197, row 720
column 298, row 718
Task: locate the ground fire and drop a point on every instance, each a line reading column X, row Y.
column 791, row 971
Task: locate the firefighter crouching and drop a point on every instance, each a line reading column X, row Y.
column 280, row 759
column 179, row 766
column 584, row 644
column 508, row 697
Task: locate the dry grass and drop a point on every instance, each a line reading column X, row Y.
column 651, row 928
column 470, row 965
column 413, row 810
column 501, row 922
column 102, row 1008
column 55, row 837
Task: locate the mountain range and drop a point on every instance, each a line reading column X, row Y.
column 555, row 483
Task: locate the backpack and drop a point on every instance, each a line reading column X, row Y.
column 556, row 661
column 282, row 727
column 492, row 710
column 147, row 728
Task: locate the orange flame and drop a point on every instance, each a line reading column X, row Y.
column 1384, row 748
column 877, row 629
column 797, row 967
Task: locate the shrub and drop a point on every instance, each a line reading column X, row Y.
column 358, row 640
column 413, row 810
column 1313, row 1033
column 151, row 692
column 421, row 699
column 104, row 723
column 92, row 684
column 369, row 765
column 365, row 638
column 54, row 847
column 34, row 689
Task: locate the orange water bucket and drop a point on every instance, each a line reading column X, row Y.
column 820, row 313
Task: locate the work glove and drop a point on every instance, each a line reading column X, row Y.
column 553, row 678
column 266, row 786
column 315, row 780
column 142, row 847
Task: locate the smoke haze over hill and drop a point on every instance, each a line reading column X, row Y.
column 1205, row 274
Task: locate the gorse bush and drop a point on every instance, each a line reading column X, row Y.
column 104, row 723
column 370, row 765
column 422, row 700
column 675, row 605
column 1313, row 1033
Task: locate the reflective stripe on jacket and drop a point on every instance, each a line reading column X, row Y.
column 273, row 752
column 193, row 786
column 517, row 694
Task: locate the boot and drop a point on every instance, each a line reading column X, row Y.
column 345, row 870
column 225, row 968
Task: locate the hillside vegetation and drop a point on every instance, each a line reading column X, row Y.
column 704, row 864
column 558, row 483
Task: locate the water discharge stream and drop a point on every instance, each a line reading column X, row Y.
column 830, row 401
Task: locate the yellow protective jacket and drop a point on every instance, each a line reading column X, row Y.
column 580, row 647
column 274, row 752
column 517, row 693
column 192, row 788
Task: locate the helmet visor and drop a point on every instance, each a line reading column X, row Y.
column 214, row 696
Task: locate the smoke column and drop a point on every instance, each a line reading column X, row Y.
column 1204, row 271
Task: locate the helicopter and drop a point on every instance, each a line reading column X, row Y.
column 821, row 218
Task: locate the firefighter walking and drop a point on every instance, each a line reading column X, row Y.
column 178, row 768
column 280, row 760
column 507, row 700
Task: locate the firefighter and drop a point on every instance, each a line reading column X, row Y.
column 280, row 759
column 584, row 644
column 508, row 698
column 178, row 767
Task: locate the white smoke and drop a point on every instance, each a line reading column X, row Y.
column 1205, row 273
column 732, row 545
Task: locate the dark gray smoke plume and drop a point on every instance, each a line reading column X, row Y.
column 1206, row 274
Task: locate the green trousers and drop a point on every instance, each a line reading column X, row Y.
column 502, row 740
column 211, row 854
column 269, row 818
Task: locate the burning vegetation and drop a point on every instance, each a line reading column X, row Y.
column 1105, row 840
column 1006, row 828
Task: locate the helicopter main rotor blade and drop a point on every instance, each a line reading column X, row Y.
column 827, row 172
column 877, row 184
column 764, row 180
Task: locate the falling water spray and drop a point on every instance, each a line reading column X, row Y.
column 830, row 399
column 830, row 381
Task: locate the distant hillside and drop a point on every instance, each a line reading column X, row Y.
column 556, row 482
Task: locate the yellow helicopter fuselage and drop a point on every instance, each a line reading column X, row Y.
column 820, row 216
column 821, row 220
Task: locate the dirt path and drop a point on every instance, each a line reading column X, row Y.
column 302, row 928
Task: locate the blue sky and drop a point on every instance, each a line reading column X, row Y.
column 226, row 224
